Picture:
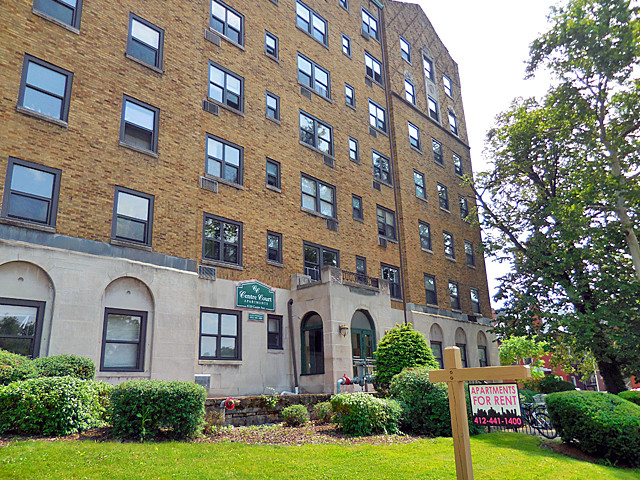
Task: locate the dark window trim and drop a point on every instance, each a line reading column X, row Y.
column 316, row 122
column 463, row 354
column 139, row 367
column 279, row 253
column 399, row 284
column 314, row 66
column 319, row 370
column 357, row 157
column 357, row 214
column 321, row 249
column 278, row 344
column 443, row 197
column 376, row 37
column 440, row 358
column 448, row 91
column 453, row 126
column 317, row 196
column 416, row 185
column 430, row 248
column 156, row 124
column 34, row 351
column 226, row 71
column 418, row 145
column 277, row 40
column 435, row 157
column 345, row 37
column 114, row 219
column 395, row 228
column 353, row 96
column 432, row 73
column 221, row 311
column 379, row 177
column 55, row 195
column 209, row 216
column 130, row 40
column 310, row 30
column 435, row 115
column 374, row 61
column 471, row 257
column 413, row 94
column 457, row 305
column 77, row 13
column 476, row 307
column 435, row 289
column 486, row 356
column 402, row 52
column 364, row 262
column 457, row 166
column 464, row 211
column 386, row 117
column 240, row 166
column 277, row 99
column 278, row 175
column 453, row 250
column 224, row 34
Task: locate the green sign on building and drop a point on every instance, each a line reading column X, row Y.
column 255, row 296
column 256, row 317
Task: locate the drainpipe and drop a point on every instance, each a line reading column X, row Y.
column 293, row 344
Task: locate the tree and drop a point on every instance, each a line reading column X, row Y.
column 518, row 350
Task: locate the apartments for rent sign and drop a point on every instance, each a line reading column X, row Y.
column 495, row 404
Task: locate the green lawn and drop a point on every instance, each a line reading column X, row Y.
column 496, row 456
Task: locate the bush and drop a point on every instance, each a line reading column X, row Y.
column 65, row 365
column 323, row 411
column 14, row 367
column 631, row 396
column 400, row 348
column 51, row 406
column 295, row 415
column 526, row 395
column 598, row 423
column 553, row 384
column 363, row 414
column 425, row 405
column 144, row 408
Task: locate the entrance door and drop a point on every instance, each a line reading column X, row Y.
column 362, row 343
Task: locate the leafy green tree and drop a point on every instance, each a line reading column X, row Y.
column 523, row 350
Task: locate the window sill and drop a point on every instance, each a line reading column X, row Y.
column 445, row 210
column 275, row 189
column 426, row 250
column 471, row 266
column 26, row 224
column 275, row 350
column 138, row 149
column 227, row 39
column 316, row 214
column 55, row 20
column 223, row 181
column 316, row 150
column 355, row 160
column 440, row 164
column 375, row 82
column 392, row 240
column 120, row 372
column 361, row 220
column 451, row 259
column 422, row 199
column 348, row 55
column 144, row 64
column 461, row 177
column 220, row 362
column 416, row 149
column 379, row 131
column 226, row 107
column 41, row 116
column 275, row 264
column 275, row 59
column 327, row 99
column 124, row 243
column 386, row 184
column 311, row 374
column 312, row 37
column 274, row 120
column 353, row 107
column 217, row 263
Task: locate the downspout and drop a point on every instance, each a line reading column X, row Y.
column 396, row 169
column 293, row 344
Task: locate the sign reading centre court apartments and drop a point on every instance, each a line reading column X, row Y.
column 496, row 404
column 254, row 295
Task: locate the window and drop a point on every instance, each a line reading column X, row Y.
column 274, row 247
column 373, row 68
column 386, row 222
column 224, row 160
column 316, row 257
column 274, row 332
column 318, row 196
column 430, row 289
column 437, row 151
column 409, row 93
column 271, row 45
column 316, row 134
column 227, row 21
column 414, row 136
column 273, row 173
column 469, row 253
column 145, row 41
column 311, row 22
column 425, row 235
column 418, row 180
column 226, row 87
column 31, row 192
column 314, row 76
column 65, row 11
column 346, row 45
column 464, row 207
column 45, row 88
column 123, row 340
column 222, row 240
column 312, row 345
column 369, row 24
column 463, row 353
column 21, row 326
column 457, row 164
column 356, row 202
column 349, row 96
column 482, row 356
column 132, row 216
column 475, row 301
column 381, row 168
column 453, row 123
column 273, row 106
column 433, row 109
column 454, row 295
column 361, row 268
column 405, row 50
column 393, row 275
column 220, row 337
column 354, row 153
column 139, row 124
column 446, row 82
column 436, row 348
column 443, row 197
column 377, row 116
column 427, row 65
column 344, row 4
column 449, row 250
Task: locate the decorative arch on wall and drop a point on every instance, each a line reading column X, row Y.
column 363, row 336
column 312, row 344
column 436, row 339
column 461, row 343
column 483, row 352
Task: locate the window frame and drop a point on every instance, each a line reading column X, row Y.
column 142, row 340
column 409, row 96
column 464, row 207
column 362, row 261
column 317, row 200
column 148, row 224
column 226, row 22
column 310, row 29
column 223, row 162
column 278, row 236
column 36, row 338
column 156, row 124
column 76, row 15
column 431, row 296
column 219, row 336
column 485, row 363
column 443, row 197
column 374, row 62
column 368, row 29
column 275, row 163
column 463, row 354
column 449, row 249
column 130, row 40
column 416, row 176
column 316, row 369
column 358, row 213
column 428, row 240
column 405, row 53
column 316, row 123
column 344, row 4
column 453, row 124
column 398, row 285
column 276, row 112
column 446, row 83
column 384, row 231
column 348, row 87
column 475, row 305
column 469, row 253
column 434, row 113
column 437, row 156
column 414, row 141
column 457, row 164
column 313, row 85
column 276, row 54
column 346, row 47
column 439, row 358
column 454, row 295
column 378, row 109
column 278, row 343
column 52, row 210
column 320, row 250
column 227, row 73
column 356, row 156
column 428, row 71
column 378, row 171
column 222, row 220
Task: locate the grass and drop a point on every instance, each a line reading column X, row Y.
column 496, row 456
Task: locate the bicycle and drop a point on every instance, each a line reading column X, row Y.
column 538, row 419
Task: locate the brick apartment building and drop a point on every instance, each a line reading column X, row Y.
column 248, row 192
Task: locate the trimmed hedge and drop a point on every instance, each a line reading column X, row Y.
column 323, row 412
column 295, row 415
column 553, row 384
column 64, row 365
column 14, row 367
column 631, row 396
column 363, row 414
column 51, row 406
column 598, row 423
column 145, row 408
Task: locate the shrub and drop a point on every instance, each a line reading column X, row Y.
column 323, row 411
column 598, row 423
column 14, row 367
column 363, row 414
column 63, row 365
column 144, row 408
column 400, row 348
column 51, row 406
column 631, row 396
column 526, row 395
column 295, row 415
column 553, row 384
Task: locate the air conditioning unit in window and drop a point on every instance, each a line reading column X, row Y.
column 208, row 273
column 306, row 92
column 368, row 82
column 364, row 33
column 332, row 225
column 373, row 132
column 208, row 184
column 212, row 37
column 210, row 107
column 382, row 242
column 376, row 185
column 328, row 161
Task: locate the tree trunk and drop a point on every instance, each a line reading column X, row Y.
column 610, row 371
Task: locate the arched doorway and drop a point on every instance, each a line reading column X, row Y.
column 311, row 332
column 363, row 342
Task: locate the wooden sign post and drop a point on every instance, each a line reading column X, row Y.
column 455, row 376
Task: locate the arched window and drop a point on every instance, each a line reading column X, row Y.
column 312, row 344
column 483, row 357
column 436, row 339
column 461, row 343
column 363, row 336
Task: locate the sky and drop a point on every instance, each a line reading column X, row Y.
column 490, row 42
